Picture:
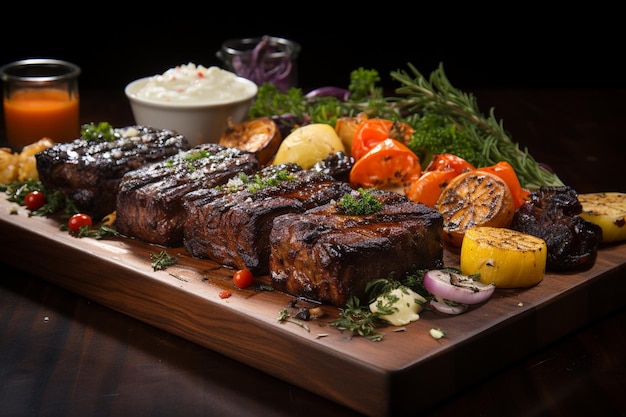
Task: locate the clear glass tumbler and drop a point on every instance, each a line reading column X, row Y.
column 40, row 99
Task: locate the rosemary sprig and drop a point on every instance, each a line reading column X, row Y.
column 162, row 260
column 436, row 94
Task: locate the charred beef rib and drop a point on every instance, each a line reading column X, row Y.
column 150, row 199
column 89, row 172
column 231, row 225
column 326, row 255
column 552, row 214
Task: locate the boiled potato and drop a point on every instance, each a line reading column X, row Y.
column 308, row 145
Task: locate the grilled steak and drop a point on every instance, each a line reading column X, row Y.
column 552, row 214
column 89, row 172
column 327, row 255
column 232, row 225
column 150, row 199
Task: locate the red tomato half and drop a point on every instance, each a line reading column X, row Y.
column 77, row 221
column 387, row 164
column 371, row 132
column 445, row 161
column 505, row 171
column 427, row 188
column 34, row 200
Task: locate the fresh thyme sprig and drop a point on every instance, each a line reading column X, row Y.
column 359, row 320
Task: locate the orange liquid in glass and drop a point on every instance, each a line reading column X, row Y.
column 33, row 114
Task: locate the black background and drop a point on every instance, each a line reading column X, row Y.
column 523, row 48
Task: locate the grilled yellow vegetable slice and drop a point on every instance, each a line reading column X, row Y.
column 607, row 210
column 472, row 199
column 505, row 257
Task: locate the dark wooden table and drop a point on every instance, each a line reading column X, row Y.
column 64, row 355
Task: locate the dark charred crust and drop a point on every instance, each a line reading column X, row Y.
column 324, row 255
column 150, row 199
column 89, row 172
column 552, row 214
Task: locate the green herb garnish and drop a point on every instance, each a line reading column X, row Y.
column 284, row 316
column 256, row 182
column 101, row 132
column 162, row 260
column 360, row 203
column 445, row 119
column 359, row 320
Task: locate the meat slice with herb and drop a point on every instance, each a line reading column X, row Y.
column 150, row 199
column 231, row 224
column 88, row 170
column 330, row 253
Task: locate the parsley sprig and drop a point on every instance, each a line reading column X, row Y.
column 360, row 202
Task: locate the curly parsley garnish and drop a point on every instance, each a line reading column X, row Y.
column 360, row 203
column 101, row 132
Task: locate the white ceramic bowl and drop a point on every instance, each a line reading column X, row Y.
column 200, row 122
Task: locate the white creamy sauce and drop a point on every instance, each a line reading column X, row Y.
column 195, row 83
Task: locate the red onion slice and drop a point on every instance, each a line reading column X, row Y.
column 447, row 307
column 456, row 287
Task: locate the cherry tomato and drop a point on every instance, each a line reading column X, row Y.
column 388, row 163
column 34, row 200
column 77, row 221
column 243, row 278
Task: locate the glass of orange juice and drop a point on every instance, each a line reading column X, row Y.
column 40, row 99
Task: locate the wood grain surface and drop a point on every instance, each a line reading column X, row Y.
column 375, row 378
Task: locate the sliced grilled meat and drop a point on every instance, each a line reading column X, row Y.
column 329, row 256
column 232, row 225
column 150, row 199
column 552, row 214
column 89, row 172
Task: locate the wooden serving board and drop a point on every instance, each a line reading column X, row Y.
column 404, row 373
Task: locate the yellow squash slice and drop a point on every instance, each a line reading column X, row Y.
column 505, row 257
column 607, row 210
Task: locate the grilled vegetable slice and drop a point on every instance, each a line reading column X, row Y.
column 388, row 164
column 607, row 210
column 504, row 257
column 346, row 128
column 428, row 187
column 472, row 199
column 260, row 136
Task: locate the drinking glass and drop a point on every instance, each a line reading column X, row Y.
column 40, row 99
